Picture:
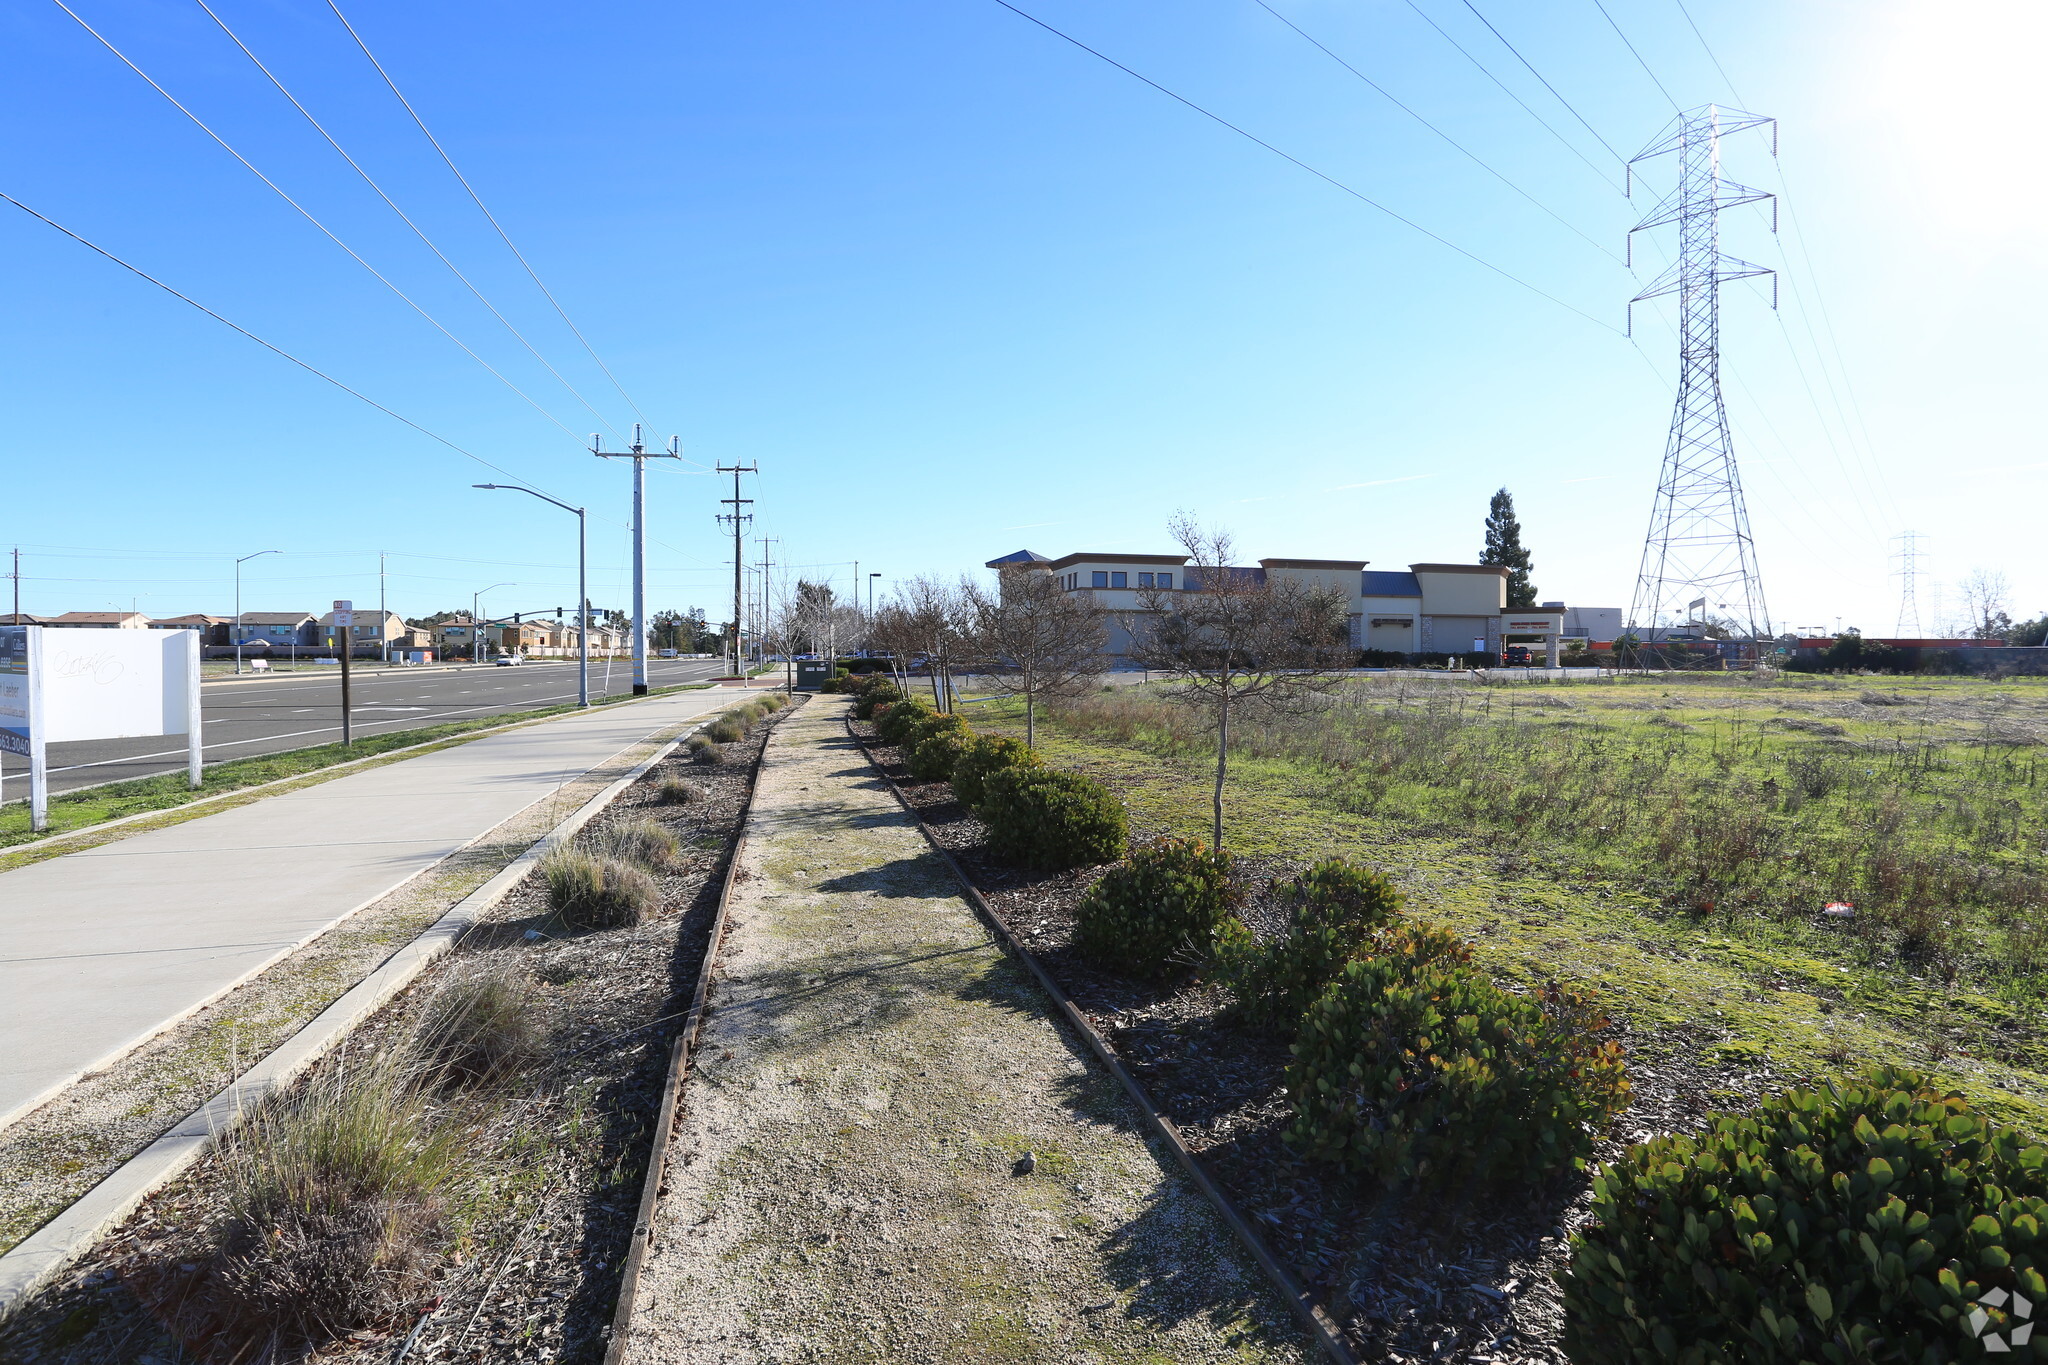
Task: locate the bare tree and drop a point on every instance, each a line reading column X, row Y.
column 1035, row 640
column 932, row 620
column 1238, row 642
column 1986, row 594
column 891, row 631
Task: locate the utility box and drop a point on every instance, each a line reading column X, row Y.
column 811, row 674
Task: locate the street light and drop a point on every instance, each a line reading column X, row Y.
column 868, row 622
column 582, row 592
column 476, row 622
column 238, row 605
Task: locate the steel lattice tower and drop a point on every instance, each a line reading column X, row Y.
column 1698, row 557
column 1908, row 626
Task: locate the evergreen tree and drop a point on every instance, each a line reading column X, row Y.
column 1504, row 549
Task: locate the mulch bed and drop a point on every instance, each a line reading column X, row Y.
column 1429, row 1278
column 536, row 1274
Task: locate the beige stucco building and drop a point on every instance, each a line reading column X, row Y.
column 1429, row 609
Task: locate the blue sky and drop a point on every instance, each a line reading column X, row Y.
column 959, row 287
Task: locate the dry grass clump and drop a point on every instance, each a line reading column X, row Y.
column 703, row 750
column 727, row 729
column 648, row 843
column 338, row 1210
column 673, row 791
column 592, row 892
column 478, row 1030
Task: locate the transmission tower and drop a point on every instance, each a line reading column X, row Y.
column 1908, row 627
column 1698, row 557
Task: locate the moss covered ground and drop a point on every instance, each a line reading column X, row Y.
column 1671, row 843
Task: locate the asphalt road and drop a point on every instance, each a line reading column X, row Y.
column 243, row 718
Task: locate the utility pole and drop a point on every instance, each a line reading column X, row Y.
column 16, row 576
column 383, row 643
column 639, row 456
column 1908, row 626
column 739, row 521
column 761, row 619
column 1698, row 545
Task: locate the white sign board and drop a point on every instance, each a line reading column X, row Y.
column 344, row 615
column 67, row 685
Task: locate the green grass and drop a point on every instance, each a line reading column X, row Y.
column 1640, row 837
column 71, row 811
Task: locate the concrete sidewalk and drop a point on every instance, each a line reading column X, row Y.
column 849, row 1181
column 102, row 949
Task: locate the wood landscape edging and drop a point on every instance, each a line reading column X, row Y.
column 70, row 1234
column 1302, row 1301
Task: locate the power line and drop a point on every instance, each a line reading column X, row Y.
column 1546, row 84
column 477, row 199
column 1297, row 161
column 302, row 211
column 403, row 217
column 1637, row 55
column 1709, row 51
column 268, row 346
column 1466, row 151
column 1487, row 72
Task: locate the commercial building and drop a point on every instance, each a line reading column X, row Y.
column 1429, row 609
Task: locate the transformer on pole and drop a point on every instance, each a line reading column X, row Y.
column 1698, row 557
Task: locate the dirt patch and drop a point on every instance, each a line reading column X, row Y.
column 534, row 1271
column 1464, row 1279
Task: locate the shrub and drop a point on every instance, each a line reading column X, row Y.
column 1336, row 906
column 934, row 756
column 477, row 1029
column 646, row 842
column 1413, row 1066
column 1160, row 909
column 337, row 1209
column 727, row 729
column 1041, row 817
column 673, row 791
column 988, row 755
column 1860, row 1221
column 871, row 692
column 597, row 892
column 934, row 723
column 706, row 753
column 893, row 726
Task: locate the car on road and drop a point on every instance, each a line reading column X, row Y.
column 507, row 660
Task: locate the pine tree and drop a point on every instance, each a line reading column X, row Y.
column 1504, row 549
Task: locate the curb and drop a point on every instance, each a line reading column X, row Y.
column 46, row 1252
column 1306, row 1307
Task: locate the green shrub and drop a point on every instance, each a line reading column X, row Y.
column 1158, row 910
column 1412, row 1066
column 988, row 755
column 934, row 756
column 1336, row 906
column 591, row 892
column 727, row 729
column 893, row 725
column 934, row 723
column 871, row 691
column 1860, row 1221
column 1042, row 817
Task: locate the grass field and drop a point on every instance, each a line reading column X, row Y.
column 1671, row 842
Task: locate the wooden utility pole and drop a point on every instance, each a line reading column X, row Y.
column 739, row 521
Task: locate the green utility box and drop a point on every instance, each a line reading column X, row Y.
column 811, row 674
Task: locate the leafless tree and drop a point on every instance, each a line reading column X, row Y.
column 932, row 620
column 1035, row 640
column 1986, row 595
column 1236, row 642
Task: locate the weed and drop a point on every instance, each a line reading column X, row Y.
column 591, row 892
column 477, row 1029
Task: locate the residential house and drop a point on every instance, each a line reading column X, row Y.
column 98, row 620
column 213, row 630
column 456, row 636
column 275, row 629
column 371, row 634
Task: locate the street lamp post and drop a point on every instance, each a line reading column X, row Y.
column 238, row 604
column 582, row 591
column 476, row 622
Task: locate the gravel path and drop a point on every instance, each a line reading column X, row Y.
column 890, row 1152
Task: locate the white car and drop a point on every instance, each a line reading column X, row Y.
column 507, row 660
